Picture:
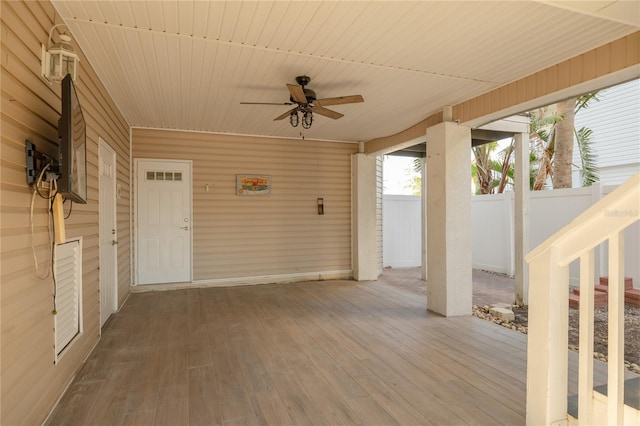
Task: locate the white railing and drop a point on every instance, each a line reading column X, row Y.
column 547, row 353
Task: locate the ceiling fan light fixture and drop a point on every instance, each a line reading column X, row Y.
column 294, row 120
column 307, row 119
column 306, row 103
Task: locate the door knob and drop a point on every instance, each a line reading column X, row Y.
column 114, row 242
column 186, row 228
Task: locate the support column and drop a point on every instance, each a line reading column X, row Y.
column 448, row 219
column 423, row 214
column 521, row 189
column 547, row 347
column 363, row 217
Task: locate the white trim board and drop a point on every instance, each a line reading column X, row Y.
column 245, row 281
column 241, row 134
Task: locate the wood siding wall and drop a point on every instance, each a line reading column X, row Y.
column 615, row 141
column 31, row 383
column 240, row 236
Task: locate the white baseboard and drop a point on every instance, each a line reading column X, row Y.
column 243, row 281
column 404, row 264
column 491, row 268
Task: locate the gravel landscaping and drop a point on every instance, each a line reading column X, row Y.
column 490, row 287
column 600, row 330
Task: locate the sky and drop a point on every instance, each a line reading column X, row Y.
column 397, row 172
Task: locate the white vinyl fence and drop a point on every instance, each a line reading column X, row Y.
column 401, row 231
column 493, row 229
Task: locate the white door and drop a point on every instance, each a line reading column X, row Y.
column 163, row 220
column 108, row 232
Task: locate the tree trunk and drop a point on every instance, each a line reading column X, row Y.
column 483, row 168
column 563, row 156
column 504, row 173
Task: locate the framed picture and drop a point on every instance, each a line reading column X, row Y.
column 253, row 185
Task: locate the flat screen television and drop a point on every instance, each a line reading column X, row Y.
column 72, row 134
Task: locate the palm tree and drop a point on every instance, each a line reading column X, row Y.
column 481, row 169
column 415, row 181
column 491, row 170
column 564, row 130
column 542, row 139
column 552, row 134
column 589, row 169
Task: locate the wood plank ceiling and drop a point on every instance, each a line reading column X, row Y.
column 188, row 65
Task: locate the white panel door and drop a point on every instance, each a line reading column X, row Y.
column 108, row 232
column 163, row 218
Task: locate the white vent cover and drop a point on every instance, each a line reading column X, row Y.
column 68, row 284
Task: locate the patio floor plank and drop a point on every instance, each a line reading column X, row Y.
column 338, row 352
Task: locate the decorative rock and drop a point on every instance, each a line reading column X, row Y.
column 503, row 314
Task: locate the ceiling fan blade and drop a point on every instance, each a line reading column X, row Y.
column 285, row 115
column 339, row 100
column 266, row 103
column 327, row 112
column 297, row 94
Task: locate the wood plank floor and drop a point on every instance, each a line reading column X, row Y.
column 336, row 352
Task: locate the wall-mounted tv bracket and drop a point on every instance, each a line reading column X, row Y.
column 36, row 161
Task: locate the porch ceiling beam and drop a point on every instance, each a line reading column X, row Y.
column 607, row 65
column 408, row 153
column 388, row 144
column 478, row 137
column 489, row 135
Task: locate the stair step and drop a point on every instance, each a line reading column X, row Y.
column 632, row 294
column 632, row 302
column 598, row 302
column 631, row 396
column 628, row 282
column 574, row 301
column 596, row 294
column 605, row 289
column 600, row 295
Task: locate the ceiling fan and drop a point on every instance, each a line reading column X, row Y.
column 306, row 104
